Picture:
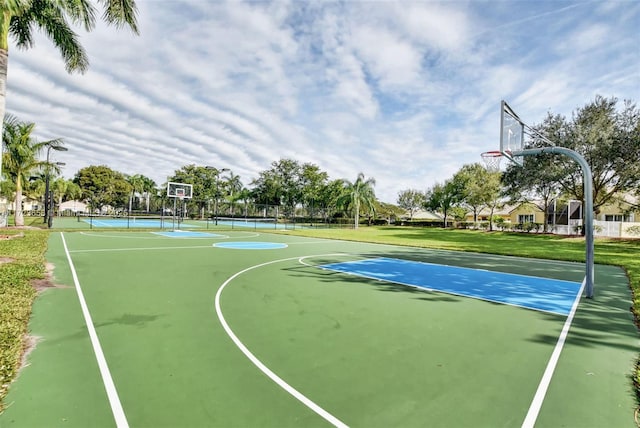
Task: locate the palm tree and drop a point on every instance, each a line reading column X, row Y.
column 137, row 186
column 19, row 19
column 20, row 157
column 148, row 187
column 65, row 190
column 358, row 194
column 233, row 185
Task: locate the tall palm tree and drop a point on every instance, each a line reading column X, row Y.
column 358, row 194
column 148, row 187
column 233, row 185
column 137, row 186
column 21, row 157
column 19, row 19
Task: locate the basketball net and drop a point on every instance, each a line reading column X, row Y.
column 492, row 160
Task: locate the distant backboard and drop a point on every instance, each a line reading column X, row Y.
column 511, row 133
column 179, row 190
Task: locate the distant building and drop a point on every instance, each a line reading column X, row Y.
column 73, row 208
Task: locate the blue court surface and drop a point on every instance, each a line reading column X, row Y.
column 250, row 245
column 542, row 294
column 259, row 224
column 151, row 223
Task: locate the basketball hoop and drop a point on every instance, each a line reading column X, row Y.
column 492, row 160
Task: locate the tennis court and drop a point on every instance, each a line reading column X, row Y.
column 176, row 223
column 245, row 328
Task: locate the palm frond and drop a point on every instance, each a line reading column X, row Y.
column 15, row 7
column 80, row 11
column 121, row 13
column 52, row 21
column 21, row 29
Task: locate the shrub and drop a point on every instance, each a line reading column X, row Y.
column 633, row 230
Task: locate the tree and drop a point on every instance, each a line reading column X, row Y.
column 610, row 142
column 19, row 18
column 137, row 186
column 389, row 212
column 244, row 195
column 148, row 188
column 103, row 186
column 20, row 157
column 411, row 200
column 65, row 190
column 141, row 186
column 357, row 195
column 443, row 197
column 279, row 185
column 481, row 189
column 233, row 186
column 328, row 197
column 608, row 139
column 312, row 180
column 205, row 181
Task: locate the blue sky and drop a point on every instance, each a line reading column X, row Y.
column 405, row 92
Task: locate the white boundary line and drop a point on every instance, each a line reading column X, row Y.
column 274, row 377
column 109, row 386
column 158, row 237
column 538, row 399
column 107, row 250
column 438, row 290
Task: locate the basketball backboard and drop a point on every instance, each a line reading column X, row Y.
column 511, row 134
column 179, row 190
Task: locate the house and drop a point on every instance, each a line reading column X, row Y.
column 424, row 216
column 72, row 208
column 28, row 205
column 501, row 211
column 617, row 219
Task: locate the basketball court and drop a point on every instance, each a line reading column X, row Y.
column 245, row 328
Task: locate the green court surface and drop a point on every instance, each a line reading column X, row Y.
column 178, row 319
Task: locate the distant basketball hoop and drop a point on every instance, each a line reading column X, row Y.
column 492, row 160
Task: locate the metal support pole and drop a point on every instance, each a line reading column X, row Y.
column 50, row 213
column 46, row 188
column 588, row 208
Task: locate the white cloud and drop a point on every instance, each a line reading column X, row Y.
column 438, row 25
column 391, row 61
column 404, row 92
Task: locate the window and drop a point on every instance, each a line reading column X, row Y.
column 526, row 218
column 616, row 217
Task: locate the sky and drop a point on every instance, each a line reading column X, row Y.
column 405, row 92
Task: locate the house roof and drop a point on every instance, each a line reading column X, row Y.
column 424, row 215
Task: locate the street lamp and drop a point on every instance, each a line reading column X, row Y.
column 48, row 200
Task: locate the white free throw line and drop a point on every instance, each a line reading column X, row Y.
column 538, row 399
column 274, row 377
column 109, row 386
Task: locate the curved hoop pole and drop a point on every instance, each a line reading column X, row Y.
column 588, row 209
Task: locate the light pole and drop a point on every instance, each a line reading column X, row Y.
column 47, row 197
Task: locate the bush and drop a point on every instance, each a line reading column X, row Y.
column 500, row 223
column 465, row 225
column 633, row 230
